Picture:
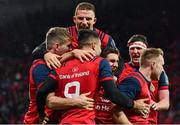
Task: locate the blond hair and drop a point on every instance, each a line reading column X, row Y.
column 85, row 6
column 149, row 55
column 57, row 34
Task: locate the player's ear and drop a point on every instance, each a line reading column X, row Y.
column 74, row 19
column 153, row 65
column 56, row 46
column 95, row 20
column 93, row 45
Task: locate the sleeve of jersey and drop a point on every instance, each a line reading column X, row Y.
column 38, row 52
column 53, row 75
column 163, row 83
column 40, row 73
column 105, row 71
column 130, row 87
column 163, row 86
column 111, row 42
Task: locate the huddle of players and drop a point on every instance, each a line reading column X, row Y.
column 82, row 89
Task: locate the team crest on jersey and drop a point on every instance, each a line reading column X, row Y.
column 75, row 69
column 152, row 88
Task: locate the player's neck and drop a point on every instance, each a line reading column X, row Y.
column 89, row 49
column 146, row 72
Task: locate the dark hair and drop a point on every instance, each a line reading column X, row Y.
column 137, row 37
column 87, row 37
column 109, row 50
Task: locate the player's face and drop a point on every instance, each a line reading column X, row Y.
column 113, row 60
column 84, row 19
column 64, row 47
column 135, row 53
column 157, row 68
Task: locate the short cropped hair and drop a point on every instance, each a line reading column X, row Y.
column 85, row 6
column 137, row 37
column 150, row 54
column 57, row 34
column 109, row 50
column 86, row 37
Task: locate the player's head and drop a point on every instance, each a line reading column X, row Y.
column 137, row 43
column 112, row 55
column 58, row 40
column 88, row 39
column 84, row 16
column 153, row 58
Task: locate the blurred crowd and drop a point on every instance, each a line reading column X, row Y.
column 22, row 35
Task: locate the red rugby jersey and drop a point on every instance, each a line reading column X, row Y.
column 75, row 78
column 144, row 93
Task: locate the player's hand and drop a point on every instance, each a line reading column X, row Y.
column 52, row 60
column 43, row 119
column 154, row 105
column 83, row 54
column 142, row 107
column 83, row 101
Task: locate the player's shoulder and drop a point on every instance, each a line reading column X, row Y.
column 69, row 27
column 97, row 59
column 100, row 32
column 38, row 62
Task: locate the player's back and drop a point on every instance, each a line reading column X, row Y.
column 76, row 78
column 144, row 93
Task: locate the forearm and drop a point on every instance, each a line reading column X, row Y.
column 119, row 116
column 59, row 103
column 48, row 86
column 163, row 103
column 66, row 56
column 116, row 96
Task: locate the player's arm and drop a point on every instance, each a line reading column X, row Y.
column 54, row 61
column 39, row 51
column 163, row 93
column 111, row 42
column 79, row 54
column 107, row 82
column 131, row 88
column 47, row 87
column 118, row 116
column 58, row 103
column 112, row 91
column 55, row 102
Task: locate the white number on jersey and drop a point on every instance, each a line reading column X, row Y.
column 76, row 84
